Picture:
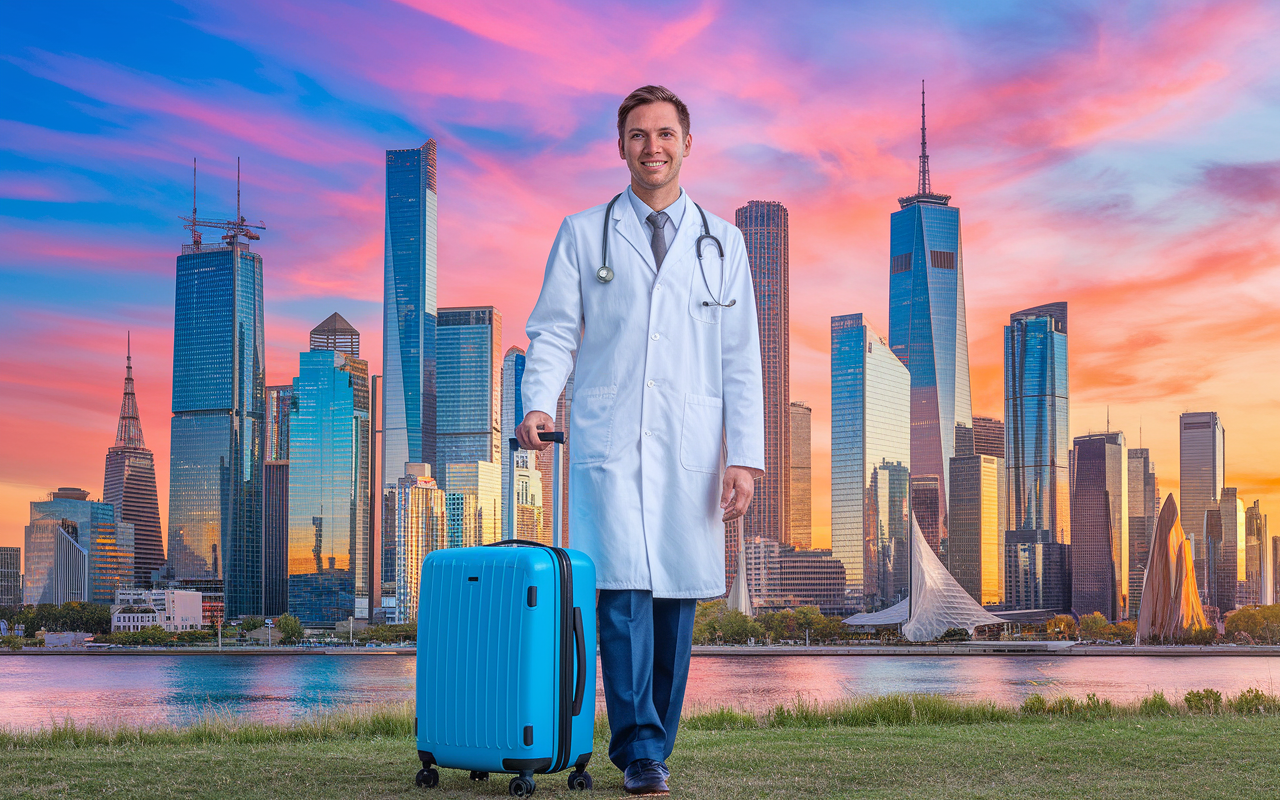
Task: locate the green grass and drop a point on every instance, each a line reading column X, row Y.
column 888, row 747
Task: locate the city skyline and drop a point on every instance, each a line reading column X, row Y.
column 1138, row 240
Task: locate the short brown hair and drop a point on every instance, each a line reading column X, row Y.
column 653, row 94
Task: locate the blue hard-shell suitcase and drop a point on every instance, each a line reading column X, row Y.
column 506, row 662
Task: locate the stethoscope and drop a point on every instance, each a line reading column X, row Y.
column 605, row 273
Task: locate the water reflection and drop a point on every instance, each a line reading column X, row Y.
column 160, row 689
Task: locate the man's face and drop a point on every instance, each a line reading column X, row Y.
column 653, row 145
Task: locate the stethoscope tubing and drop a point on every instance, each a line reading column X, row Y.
column 605, row 273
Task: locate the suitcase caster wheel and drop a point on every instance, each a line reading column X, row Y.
column 427, row 778
column 479, row 776
column 520, row 787
column 579, row 781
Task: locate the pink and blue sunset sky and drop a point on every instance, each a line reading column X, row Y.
column 1119, row 156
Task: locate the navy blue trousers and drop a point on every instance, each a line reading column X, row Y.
column 645, row 643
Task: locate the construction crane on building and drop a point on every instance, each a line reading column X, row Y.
column 234, row 228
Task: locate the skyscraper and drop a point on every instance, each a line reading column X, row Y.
column 75, row 550
column 1036, row 420
column 279, row 404
column 10, row 577
column 469, row 375
column 219, row 407
column 1201, row 476
column 1257, row 565
column 801, row 477
column 1228, row 554
column 870, row 463
column 329, row 459
column 335, row 333
column 765, row 228
column 975, row 530
column 1037, row 463
column 1100, row 525
column 512, row 415
column 420, row 526
column 988, row 437
column 928, row 333
column 1144, row 499
column 129, row 485
column 275, row 502
column 409, row 310
column 275, row 537
column 473, row 503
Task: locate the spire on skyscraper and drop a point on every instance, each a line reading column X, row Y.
column 924, row 152
column 129, row 429
column 924, row 192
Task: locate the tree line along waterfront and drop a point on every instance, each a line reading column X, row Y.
column 714, row 623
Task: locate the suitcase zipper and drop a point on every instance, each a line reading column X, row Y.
column 567, row 661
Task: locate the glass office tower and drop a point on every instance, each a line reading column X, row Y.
column 76, row 550
column 870, row 463
column 1037, row 459
column 1037, row 440
column 927, row 331
column 801, row 476
column 469, row 375
column 1144, row 507
column 10, row 577
column 512, row 415
column 1100, row 525
column 129, row 485
column 765, row 229
column 420, row 527
column 1228, row 554
column 409, row 311
column 216, row 434
column 1201, row 476
column 329, row 489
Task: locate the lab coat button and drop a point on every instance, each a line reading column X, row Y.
column 649, row 384
column 654, row 337
column 648, row 433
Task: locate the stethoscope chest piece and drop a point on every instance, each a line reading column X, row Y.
column 604, row 274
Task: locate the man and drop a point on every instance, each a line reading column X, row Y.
column 667, row 392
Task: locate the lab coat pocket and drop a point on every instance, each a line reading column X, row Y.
column 592, row 424
column 702, row 433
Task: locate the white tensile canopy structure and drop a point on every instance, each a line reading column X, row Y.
column 739, row 597
column 937, row 602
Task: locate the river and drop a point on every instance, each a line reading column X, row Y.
column 157, row 689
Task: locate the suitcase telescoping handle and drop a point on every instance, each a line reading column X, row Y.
column 556, row 481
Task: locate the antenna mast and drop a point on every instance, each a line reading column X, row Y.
column 234, row 228
column 924, row 187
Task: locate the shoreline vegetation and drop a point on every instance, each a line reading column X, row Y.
column 396, row 720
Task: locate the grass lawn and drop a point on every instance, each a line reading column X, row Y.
column 1201, row 756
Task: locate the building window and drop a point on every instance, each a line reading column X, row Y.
column 941, row 259
column 900, row 263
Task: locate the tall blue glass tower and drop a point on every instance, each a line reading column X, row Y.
column 468, row 418
column 870, row 464
column 219, row 404
column 329, row 489
column 927, row 332
column 409, row 311
column 1037, row 434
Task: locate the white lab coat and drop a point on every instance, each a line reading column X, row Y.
column 666, row 392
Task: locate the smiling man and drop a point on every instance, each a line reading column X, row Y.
column 648, row 299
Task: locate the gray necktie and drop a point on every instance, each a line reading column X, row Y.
column 658, row 220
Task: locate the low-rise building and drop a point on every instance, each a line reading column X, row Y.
column 172, row 609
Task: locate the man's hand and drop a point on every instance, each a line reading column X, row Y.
column 739, row 486
column 527, row 431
